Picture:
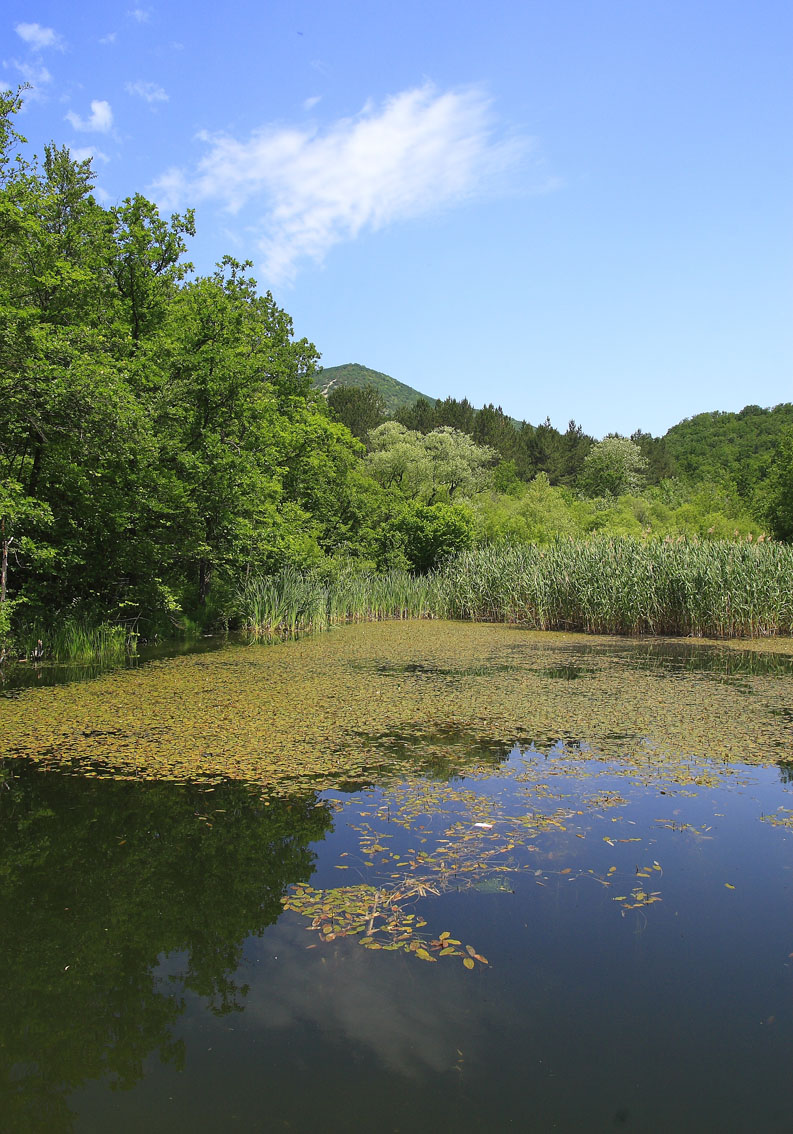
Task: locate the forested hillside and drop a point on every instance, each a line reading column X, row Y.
column 735, row 451
column 732, row 447
column 395, row 395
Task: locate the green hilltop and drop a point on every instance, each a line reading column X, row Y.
column 396, row 395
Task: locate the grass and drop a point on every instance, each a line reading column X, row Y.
column 713, row 589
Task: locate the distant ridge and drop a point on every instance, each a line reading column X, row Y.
column 395, row 394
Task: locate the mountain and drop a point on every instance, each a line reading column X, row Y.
column 394, row 394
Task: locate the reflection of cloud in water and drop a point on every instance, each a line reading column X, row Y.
column 409, row 1014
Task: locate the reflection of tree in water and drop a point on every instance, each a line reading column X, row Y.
column 786, row 771
column 98, row 880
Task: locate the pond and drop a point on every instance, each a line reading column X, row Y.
column 406, row 876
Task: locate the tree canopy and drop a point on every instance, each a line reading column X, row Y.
column 613, row 467
column 159, row 434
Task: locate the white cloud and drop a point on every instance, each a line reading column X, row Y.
column 150, row 92
column 109, row 38
column 422, row 150
column 83, row 153
column 310, row 103
column 381, row 1010
column 101, row 119
column 141, row 15
column 38, row 37
column 171, row 189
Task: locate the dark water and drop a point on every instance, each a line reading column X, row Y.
column 16, row 675
column 152, row 980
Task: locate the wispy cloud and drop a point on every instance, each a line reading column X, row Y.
column 35, row 74
column 310, row 103
column 149, row 92
column 32, row 69
column 38, row 37
column 100, row 122
column 108, row 39
column 421, row 151
column 140, row 15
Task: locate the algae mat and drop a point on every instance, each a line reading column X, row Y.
column 367, row 699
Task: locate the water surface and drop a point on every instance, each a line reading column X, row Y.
column 499, row 895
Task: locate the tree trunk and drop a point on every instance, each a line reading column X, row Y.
column 4, row 567
column 204, row 580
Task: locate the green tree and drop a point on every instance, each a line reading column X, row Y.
column 360, row 408
column 420, row 535
column 439, row 465
column 612, row 467
column 779, row 492
column 660, row 462
column 398, row 459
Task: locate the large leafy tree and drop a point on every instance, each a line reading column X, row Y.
column 437, row 466
column 158, row 432
column 612, row 467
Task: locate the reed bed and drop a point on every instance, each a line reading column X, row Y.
column 715, row 589
column 76, row 641
column 295, row 602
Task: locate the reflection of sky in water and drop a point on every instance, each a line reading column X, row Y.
column 392, row 1006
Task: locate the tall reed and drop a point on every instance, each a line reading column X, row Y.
column 604, row 585
column 292, row 601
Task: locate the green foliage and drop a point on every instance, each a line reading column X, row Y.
column 162, row 440
column 779, row 493
column 537, row 513
column 715, row 589
column 159, row 436
column 292, row 601
column 613, row 467
column 732, row 448
column 531, row 449
column 661, row 464
column 505, row 478
column 433, row 466
column 360, row 408
column 420, row 536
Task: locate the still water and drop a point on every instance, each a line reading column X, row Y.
column 579, row 933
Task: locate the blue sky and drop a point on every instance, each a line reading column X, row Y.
column 573, row 208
